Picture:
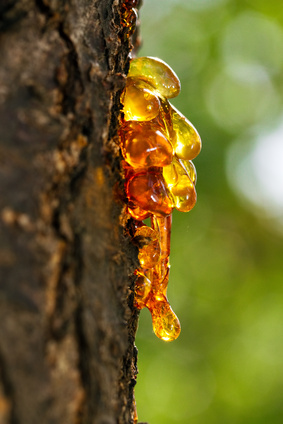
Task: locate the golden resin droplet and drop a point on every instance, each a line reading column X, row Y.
column 128, row 18
column 147, row 190
column 191, row 169
column 162, row 225
column 144, row 145
column 170, row 174
column 164, row 119
column 140, row 104
column 149, row 246
column 142, row 290
column 186, row 140
column 183, row 190
column 165, row 323
column 157, row 73
column 138, row 213
column 135, row 412
column 173, row 172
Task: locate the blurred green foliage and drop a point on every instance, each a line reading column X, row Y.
column 226, row 282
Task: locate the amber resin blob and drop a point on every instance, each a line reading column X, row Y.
column 158, row 144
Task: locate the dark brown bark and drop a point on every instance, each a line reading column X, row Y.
column 67, row 324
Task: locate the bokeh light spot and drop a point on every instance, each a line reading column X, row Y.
column 236, row 102
column 252, row 39
column 255, row 172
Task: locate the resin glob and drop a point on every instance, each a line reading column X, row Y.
column 158, row 144
column 129, row 15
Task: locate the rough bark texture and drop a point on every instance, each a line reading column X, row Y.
column 67, row 325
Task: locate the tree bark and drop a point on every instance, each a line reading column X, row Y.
column 67, row 321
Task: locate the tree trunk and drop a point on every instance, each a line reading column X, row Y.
column 67, row 323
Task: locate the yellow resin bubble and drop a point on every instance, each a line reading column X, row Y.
column 148, row 241
column 142, row 290
column 170, row 174
column 140, row 104
column 138, row 213
column 161, row 277
column 128, row 19
column 145, row 145
column 180, row 185
column 191, row 169
column 158, row 74
column 148, row 190
column 164, row 119
column 186, row 140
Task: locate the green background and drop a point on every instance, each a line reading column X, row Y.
column 226, row 282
